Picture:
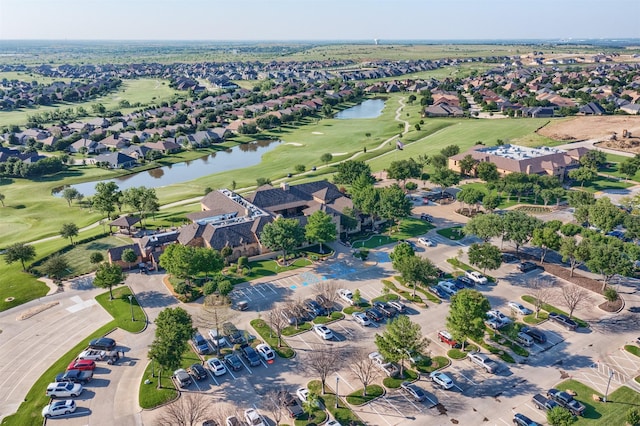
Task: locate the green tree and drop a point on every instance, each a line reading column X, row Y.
column 394, row 205
column 300, row 168
column 610, row 294
column 518, row 227
column 129, row 256
column 69, row 230
column 96, row 257
column 547, row 238
column 400, row 253
column 225, row 287
column 326, row 158
column 593, row 159
column 105, row 197
column 357, row 297
column 491, row 201
column 466, row 315
column 485, row 256
column 570, row 229
column 467, row 164
column 55, row 267
column 573, row 252
column 70, row 194
column 608, row 258
column 450, row 150
column 445, row 178
column 439, row 161
column 174, row 328
column 470, row 196
column 177, row 260
column 349, row 171
column 629, row 167
column 320, row 228
column 485, row 226
column 107, row 276
column 580, row 198
column 282, row 234
column 19, row 252
column 559, row 416
column 416, row 270
column 403, row 169
column 488, row 172
column 633, row 417
column 207, row 261
column 605, row 215
column 583, row 174
column 402, row 339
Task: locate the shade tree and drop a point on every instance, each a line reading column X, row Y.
column 401, row 340
column 485, row 256
column 174, row 328
column 19, row 252
column 320, row 228
column 282, row 235
column 466, row 316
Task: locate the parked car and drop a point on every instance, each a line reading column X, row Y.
column 197, row 371
column 476, row 277
column 302, row 394
column 75, row 376
column 323, row 331
column 200, row 343
column 324, row 302
column 448, row 287
column 315, row 307
column 509, row 258
column 527, row 266
column 93, row 354
column 218, row 339
column 388, row 368
column 524, row 339
column 266, row 352
column 216, row 366
column 374, row 314
column 252, row 418
column 537, row 335
column 291, row 404
column 235, row 336
column 543, row 403
column 410, row 243
column 438, row 291
column 563, row 320
column 103, row 343
column 414, row 391
column 333, row 423
column 250, row 354
column 426, row 217
column 441, row 379
column 520, row 308
column 346, row 295
column 499, row 316
column 424, row 241
column 466, row 282
column 398, row 305
column 563, row 398
column 182, row 377
column 483, row 361
column 59, row 408
column 361, row 318
column 64, row 390
column 82, row 364
column 446, row 337
column 232, row 421
column 522, row 420
column 386, row 310
column 233, row 361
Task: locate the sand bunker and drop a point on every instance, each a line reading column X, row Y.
column 317, row 133
column 294, row 144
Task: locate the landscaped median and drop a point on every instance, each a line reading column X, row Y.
column 342, row 414
column 122, row 309
column 270, row 337
column 323, row 319
column 551, row 308
column 357, row 398
column 407, row 376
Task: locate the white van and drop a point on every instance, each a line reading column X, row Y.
column 525, row 339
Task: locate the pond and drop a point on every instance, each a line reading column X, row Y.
column 371, row 108
column 240, row 156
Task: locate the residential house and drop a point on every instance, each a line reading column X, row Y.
column 443, row 110
column 114, row 255
column 592, row 108
column 115, row 160
column 92, row 146
column 165, row 146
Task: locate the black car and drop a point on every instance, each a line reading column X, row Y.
column 315, row 307
column 323, row 301
column 235, row 335
column 527, row 266
column 75, row 376
column 509, row 258
column 563, row 320
column 522, row 420
column 374, row 314
column 464, row 281
column 233, row 361
column 198, row 371
column 438, row 291
column 386, row 310
column 290, row 403
column 426, row 217
column 535, row 334
column 103, row 343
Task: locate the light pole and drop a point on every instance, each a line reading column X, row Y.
column 337, row 394
column 608, row 383
column 131, row 306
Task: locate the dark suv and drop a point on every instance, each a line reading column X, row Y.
column 235, row 335
column 103, row 343
column 527, row 266
column 374, row 314
column 290, row 403
column 315, row 307
column 386, row 310
column 535, row 334
column 251, row 355
column 563, row 320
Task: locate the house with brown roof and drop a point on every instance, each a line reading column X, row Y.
column 520, row 159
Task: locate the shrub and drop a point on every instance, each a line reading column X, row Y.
column 242, row 261
column 411, row 186
column 209, row 288
column 633, row 417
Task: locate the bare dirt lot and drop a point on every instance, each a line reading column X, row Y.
column 604, row 127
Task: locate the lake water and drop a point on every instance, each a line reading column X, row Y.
column 371, row 108
column 238, row 157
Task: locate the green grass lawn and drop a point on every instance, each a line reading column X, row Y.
column 29, row 411
column 342, row 414
column 265, row 268
column 335, row 316
column 613, row 412
column 266, row 333
column 394, row 382
column 602, row 183
column 551, row 308
column 632, row 349
column 78, row 256
column 427, row 365
column 454, row 233
column 409, row 227
column 507, row 201
column 356, row 397
column 120, row 309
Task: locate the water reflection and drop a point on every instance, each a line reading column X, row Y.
column 371, row 108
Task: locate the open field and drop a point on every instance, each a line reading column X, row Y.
column 29, row 76
column 146, row 91
column 581, row 128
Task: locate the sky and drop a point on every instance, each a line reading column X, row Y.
column 264, row 20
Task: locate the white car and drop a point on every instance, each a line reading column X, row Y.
column 216, row 366
column 64, row 389
column 59, row 408
column 217, row 339
column 323, row 331
column 333, row 423
column 398, row 305
column 266, row 352
column 426, row 242
column 346, row 295
column 93, row 355
column 441, row 379
column 476, row 277
column 448, row 286
column 361, row 318
column 253, row 418
column 302, row 394
column 519, row 308
column 499, row 316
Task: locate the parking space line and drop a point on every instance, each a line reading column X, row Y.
column 264, row 363
column 245, row 365
column 411, row 402
column 213, row 377
column 232, row 375
column 345, row 330
column 259, row 292
column 468, row 379
column 379, row 415
column 385, row 399
column 195, row 382
column 270, row 287
column 504, row 421
column 344, row 381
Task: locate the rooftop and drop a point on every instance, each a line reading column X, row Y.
column 515, row 152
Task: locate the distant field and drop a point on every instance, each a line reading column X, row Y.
column 145, row 90
column 27, row 76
